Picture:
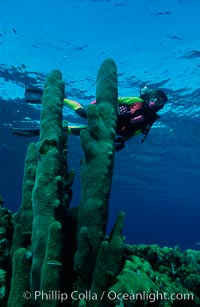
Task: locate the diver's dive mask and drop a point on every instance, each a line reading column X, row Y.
column 154, row 98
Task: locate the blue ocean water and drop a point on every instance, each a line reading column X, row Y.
column 153, row 43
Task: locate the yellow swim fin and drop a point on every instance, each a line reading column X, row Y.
column 74, row 105
column 76, row 130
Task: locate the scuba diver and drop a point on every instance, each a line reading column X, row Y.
column 135, row 115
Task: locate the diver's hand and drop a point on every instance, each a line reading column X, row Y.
column 119, row 143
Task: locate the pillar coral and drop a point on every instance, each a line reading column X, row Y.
column 23, row 219
column 51, row 172
column 98, row 143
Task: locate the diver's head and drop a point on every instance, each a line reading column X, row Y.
column 154, row 98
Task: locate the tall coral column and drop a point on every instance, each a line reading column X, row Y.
column 98, row 143
column 51, row 171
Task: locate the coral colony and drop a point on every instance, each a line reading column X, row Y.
column 52, row 254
